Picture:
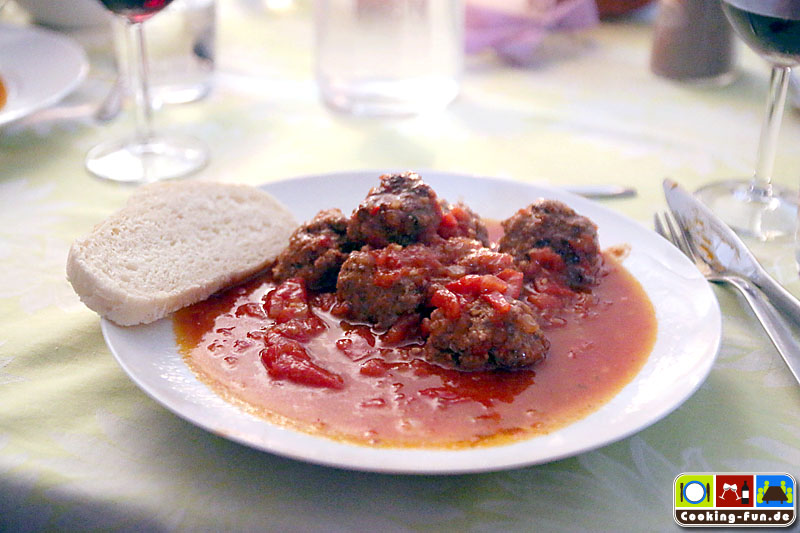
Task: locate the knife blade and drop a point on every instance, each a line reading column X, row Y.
column 722, row 249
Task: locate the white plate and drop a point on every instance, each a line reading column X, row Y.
column 689, row 330
column 38, row 68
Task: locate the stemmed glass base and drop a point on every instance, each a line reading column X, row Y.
column 763, row 213
column 145, row 156
column 756, row 207
column 142, row 161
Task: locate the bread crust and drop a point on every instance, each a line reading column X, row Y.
column 174, row 244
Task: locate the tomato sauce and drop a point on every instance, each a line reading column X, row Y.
column 351, row 382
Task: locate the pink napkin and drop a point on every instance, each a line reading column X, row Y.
column 514, row 28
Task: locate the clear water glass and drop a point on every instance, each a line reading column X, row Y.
column 388, row 57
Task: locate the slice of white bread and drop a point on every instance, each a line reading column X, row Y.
column 174, row 244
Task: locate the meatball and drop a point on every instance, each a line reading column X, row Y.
column 459, row 220
column 380, row 286
column 548, row 235
column 483, row 336
column 402, row 210
column 316, row 251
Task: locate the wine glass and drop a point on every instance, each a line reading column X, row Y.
column 145, row 156
column 758, row 208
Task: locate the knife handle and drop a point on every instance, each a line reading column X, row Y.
column 779, row 296
column 777, row 329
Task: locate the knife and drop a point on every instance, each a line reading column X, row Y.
column 719, row 245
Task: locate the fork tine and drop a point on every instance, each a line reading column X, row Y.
column 659, row 226
column 677, row 236
column 686, row 238
column 688, row 243
column 673, row 231
column 668, row 227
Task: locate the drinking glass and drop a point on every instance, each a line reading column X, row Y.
column 388, row 57
column 757, row 207
column 145, row 156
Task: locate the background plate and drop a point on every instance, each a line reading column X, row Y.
column 689, row 331
column 38, row 68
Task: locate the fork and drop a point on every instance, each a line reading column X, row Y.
column 774, row 325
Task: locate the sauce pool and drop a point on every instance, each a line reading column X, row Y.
column 392, row 397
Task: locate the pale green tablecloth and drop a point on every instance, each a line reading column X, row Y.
column 82, row 447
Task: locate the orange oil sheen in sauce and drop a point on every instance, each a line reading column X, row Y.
column 596, row 349
column 3, row 93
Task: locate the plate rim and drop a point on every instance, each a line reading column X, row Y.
column 66, row 45
column 470, row 460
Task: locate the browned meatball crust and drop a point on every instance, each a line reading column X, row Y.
column 379, row 286
column 401, row 209
column 483, row 338
column 549, row 225
column 316, row 251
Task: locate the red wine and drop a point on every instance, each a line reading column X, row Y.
column 770, row 28
column 136, row 10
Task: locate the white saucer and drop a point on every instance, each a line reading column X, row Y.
column 38, row 68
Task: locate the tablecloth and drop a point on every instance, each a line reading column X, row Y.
column 82, row 448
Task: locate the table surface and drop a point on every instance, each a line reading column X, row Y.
column 82, row 447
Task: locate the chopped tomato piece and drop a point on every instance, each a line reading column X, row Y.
column 449, row 221
column 447, row 302
column 287, row 301
column 374, row 368
column 474, row 284
column 302, row 330
column 497, row 301
column 363, row 331
column 456, row 222
column 324, row 301
column 458, row 212
column 252, row 309
column 287, row 359
column 386, row 278
column 404, row 329
column 355, row 347
column 547, row 258
column 549, row 285
column 543, row 301
column 514, row 278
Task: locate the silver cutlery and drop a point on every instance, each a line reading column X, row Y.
column 722, row 249
column 698, row 246
column 774, row 325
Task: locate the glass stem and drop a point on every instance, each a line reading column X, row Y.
column 139, row 81
column 768, row 142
